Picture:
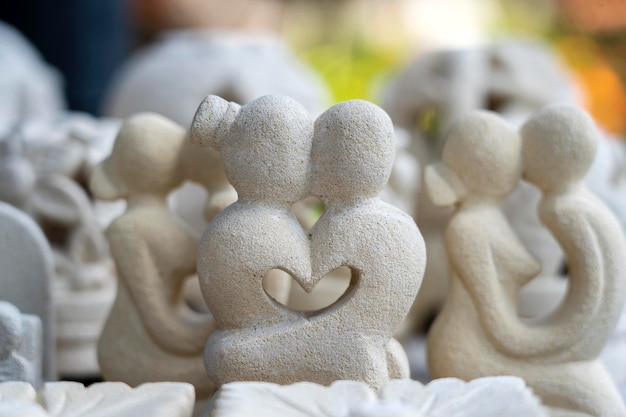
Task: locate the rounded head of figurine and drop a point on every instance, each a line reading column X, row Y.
column 145, row 159
column 353, row 151
column 559, row 146
column 266, row 150
column 10, row 329
column 481, row 158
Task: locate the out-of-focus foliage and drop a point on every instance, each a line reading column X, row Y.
column 356, row 45
column 353, row 44
column 353, row 70
column 533, row 18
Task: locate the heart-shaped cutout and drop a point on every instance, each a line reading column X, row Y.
column 284, row 290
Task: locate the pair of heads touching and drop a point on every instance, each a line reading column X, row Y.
column 484, row 157
column 273, row 151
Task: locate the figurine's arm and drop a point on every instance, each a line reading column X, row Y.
column 497, row 311
column 583, row 247
column 158, row 313
column 471, row 260
column 567, row 326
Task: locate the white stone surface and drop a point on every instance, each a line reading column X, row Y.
column 109, row 399
column 449, row 397
column 19, row 399
column 29, row 88
column 17, row 364
column 26, row 259
column 32, row 346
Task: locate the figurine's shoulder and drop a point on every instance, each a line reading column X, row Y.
column 128, row 224
column 387, row 216
column 471, row 227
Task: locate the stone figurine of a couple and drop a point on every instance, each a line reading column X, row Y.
column 274, row 154
column 151, row 333
column 479, row 332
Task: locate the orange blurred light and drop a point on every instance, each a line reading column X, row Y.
column 604, row 93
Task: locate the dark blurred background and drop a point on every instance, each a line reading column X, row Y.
column 85, row 39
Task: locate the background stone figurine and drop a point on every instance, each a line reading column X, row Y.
column 273, row 156
column 42, row 169
column 478, row 332
column 151, row 334
column 513, row 78
column 26, row 262
column 107, row 399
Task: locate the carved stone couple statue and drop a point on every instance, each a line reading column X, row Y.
column 151, row 334
column 274, row 155
column 479, row 332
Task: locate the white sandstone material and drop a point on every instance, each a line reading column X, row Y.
column 274, row 155
column 14, row 364
column 173, row 75
column 42, row 180
column 108, row 399
column 449, row 397
column 478, row 332
column 150, row 334
column 29, row 88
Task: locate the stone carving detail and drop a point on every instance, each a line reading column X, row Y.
column 274, row 155
column 108, row 399
column 479, row 332
column 155, row 252
column 15, row 337
column 449, row 397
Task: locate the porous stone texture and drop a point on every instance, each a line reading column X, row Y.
column 274, row 155
column 14, row 365
column 108, row 399
column 448, row 397
column 478, row 332
column 150, row 334
column 26, row 259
